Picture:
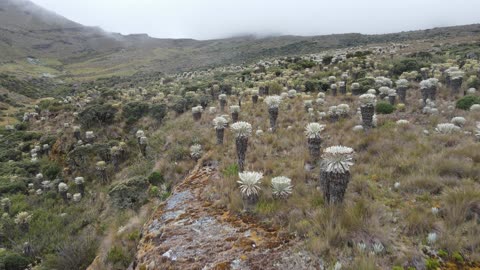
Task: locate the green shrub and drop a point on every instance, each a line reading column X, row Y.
column 467, row 101
column 133, row 111
column 12, row 187
column 442, row 253
column 117, row 257
column 231, row 170
column 76, row 254
column 457, row 257
column 311, row 86
column 130, row 193
column 473, row 82
column 47, row 103
column 10, row 154
column 407, row 65
column 178, row 152
column 109, row 93
column 20, row 168
column 432, row 264
column 326, row 60
column 13, row 261
column 323, row 85
column 360, row 54
column 366, row 84
column 154, row 192
column 384, row 108
column 96, row 115
column 50, row 140
column 156, row 178
column 204, row 100
column 29, row 136
column 179, row 105
column 51, row 170
column 21, row 126
column 158, row 111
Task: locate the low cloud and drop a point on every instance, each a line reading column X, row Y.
column 210, row 19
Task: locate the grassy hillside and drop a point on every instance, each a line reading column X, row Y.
column 27, row 30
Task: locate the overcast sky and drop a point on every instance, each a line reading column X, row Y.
column 208, row 19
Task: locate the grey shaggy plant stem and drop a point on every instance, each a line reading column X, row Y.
column 391, row 100
column 143, row 149
column 249, row 202
column 334, row 185
column 223, row 103
column 220, row 133
column 235, row 117
column 314, row 145
column 103, row 176
column 425, row 94
column 115, row 161
column 241, row 144
column 197, row 116
column 456, row 84
column 432, row 93
column 334, row 117
column 81, row 188
column 402, row 94
column 273, row 117
column 63, row 194
column 77, row 135
column 367, row 112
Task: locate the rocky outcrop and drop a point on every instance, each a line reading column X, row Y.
column 188, row 232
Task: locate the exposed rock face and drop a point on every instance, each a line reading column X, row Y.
column 188, row 232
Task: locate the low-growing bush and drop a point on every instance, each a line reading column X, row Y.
column 158, row 111
column 133, row 111
column 12, row 187
column 467, row 101
column 96, row 115
column 156, row 178
column 10, row 154
column 118, row 258
column 129, row 194
column 13, row 261
column 407, row 65
column 365, row 84
column 77, row 253
column 50, row 170
column 384, row 108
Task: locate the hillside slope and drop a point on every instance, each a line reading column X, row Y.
column 66, row 49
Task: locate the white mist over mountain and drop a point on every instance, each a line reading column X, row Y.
column 210, row 19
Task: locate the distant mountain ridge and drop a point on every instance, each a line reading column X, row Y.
column 85, row 52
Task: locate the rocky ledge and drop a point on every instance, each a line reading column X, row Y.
column 187, row 232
